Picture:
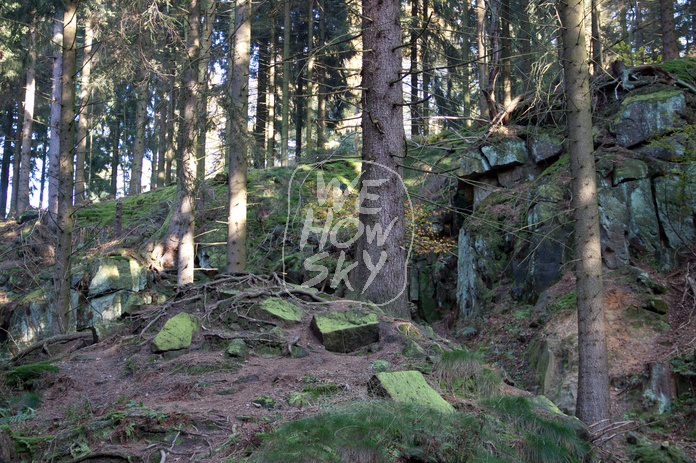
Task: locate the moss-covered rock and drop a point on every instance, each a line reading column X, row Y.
column 267, row 402
column 544, row 146
column 472, row 164
column 505, row 152
column 631, row 169
column 643, row 451
column 116, row 273
column 643, row 227
column 236, row 348
column 676, row 200
column 346, row 331
column 656, row 304
column 408, row 386
column 413, row 350
column 381, row 366
column 176, row 333
column 648, row 115
column 614, row 219
column 275, row 309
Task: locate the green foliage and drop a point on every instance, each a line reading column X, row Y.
column 464, row 371
column 25, row 376
column 684, row 68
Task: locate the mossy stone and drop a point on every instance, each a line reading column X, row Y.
column 236, row 348
column 656, row 304
column 544, row 403
column 267, row 402
column 648, row 115
column 647, row 452
column 346, row 331
column 275, row 309
column 115, row 273
column 630, row 169
column 408, row 386
column 381, row 366
column 176, row 333
column 413, row 350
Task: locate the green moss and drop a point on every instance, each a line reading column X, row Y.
column 684, row 68
column 27, row 375
column 279, row 310
column 410, row 387
column 176, row 333
column 463, row 371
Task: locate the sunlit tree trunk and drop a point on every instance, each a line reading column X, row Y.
column 187, row 168
column 670, row 50
column 285, row 104
column 164, row 134
column 383, row 145
column 27, row 131
column 56, row 92
column 83, row 121
column 61, row 281
column 505, row 52
column 262, row 105
column 115, row 130
column 172, row 129
column 270, row 124
column 423, row 110
column 142, row 98
column 237, row 128
column 299, row 112
column 593, row 380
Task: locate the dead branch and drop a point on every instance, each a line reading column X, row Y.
column 52, row 340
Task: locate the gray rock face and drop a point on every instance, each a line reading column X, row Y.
column 649, row 115
column 643, row 227
column 346, row 331
column 614, row 219
column 675, row 208
column 505, row 152
column 110, row 274
column 544, row 146
column 472, row 164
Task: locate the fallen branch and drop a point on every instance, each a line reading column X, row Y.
column 52, row 340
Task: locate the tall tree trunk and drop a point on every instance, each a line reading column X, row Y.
column 415, row 122
column 593, row 380
column 285, row 105
column 525, row 44
column 239, row 93
column 172, row 129
column 164, row 134
column 27, row 131
column 638, row 28
column 56, row 97
column 321, row 87
column 142, row 98
column 383, row 145
column 670, row 50
column 596, row 41
column 505, row 52
column 83, row 122
column 208, row 10
column 299, row 112
column 494, row 67
column 310, row 74
column 17, row 158
column 115, row 130
column 423, row 111
column 61, row 281
column 262, row 105
column 270, row 124
column 187, row 168
column 481, row 55
column 6, row 160
column 42, row 180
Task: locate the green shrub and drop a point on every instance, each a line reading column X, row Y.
column 25, row 376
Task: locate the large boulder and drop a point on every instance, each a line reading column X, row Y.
column 346, row 331
column 277, row 310
column 643, row 227
column 648, row 115
column 176, row 334
column 675, row 207
column 613, row 222
column 110, row 274
column 473, row 164
column 544, row 146
column 407, row 386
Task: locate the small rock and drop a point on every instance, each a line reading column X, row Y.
column 266, row 401
column 656, row 304
column 380, row 366
column 237, row 348
column 407, row 386
column 346, row 331
column 412, row 350
column 176, row 333
column 278, row 310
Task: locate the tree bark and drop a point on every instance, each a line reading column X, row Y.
column 382, row 193
column 596, row 42
column 83, row 121
column 187, row 168
column 593, row 383
column 423, row 111
column 262, row 105
column 208, row 9
column 142, row 98
column 17, row 157
column 164, row 134
column 115, row 130
column 505, row 52
column 270, row 124
column 481, row 55
column 285, row 104
column 237, row 154
column 27, row 130
column 61, row 279
column 525, row 41
column 299, row 112
column 56, row 97
column 310, row 74
column 7, row 153
column 670, row 50
column 172, row 129
column 415, row 20
column 321, row 93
